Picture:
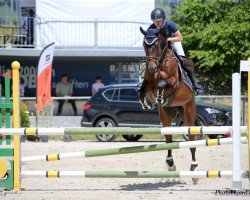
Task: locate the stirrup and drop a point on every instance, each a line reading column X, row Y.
column 199, row 89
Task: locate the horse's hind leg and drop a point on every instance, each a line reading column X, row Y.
column 189, row 120
column 166, row 119
column 169, row 159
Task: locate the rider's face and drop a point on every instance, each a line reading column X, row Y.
column 158, row 23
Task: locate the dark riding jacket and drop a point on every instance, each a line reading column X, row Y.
column 169, row 27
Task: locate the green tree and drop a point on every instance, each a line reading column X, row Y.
column 216, row 35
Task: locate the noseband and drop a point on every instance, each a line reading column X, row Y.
column 147, row 60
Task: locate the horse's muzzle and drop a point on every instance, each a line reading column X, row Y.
column 162, row 84
column 152, row 70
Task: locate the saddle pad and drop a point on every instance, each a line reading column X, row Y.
column 188, row 81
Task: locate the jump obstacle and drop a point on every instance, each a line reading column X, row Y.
column 133, row 149
column 195, row 130
column 130, row 174
column 12, row 181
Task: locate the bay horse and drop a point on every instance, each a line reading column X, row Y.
column 164, row 84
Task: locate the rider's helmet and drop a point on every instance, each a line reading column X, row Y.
column 157, row 14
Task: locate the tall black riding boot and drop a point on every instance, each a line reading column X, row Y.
column 198, row 88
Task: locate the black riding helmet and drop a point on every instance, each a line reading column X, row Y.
column 158, row 13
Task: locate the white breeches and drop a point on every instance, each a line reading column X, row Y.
column 178, row 48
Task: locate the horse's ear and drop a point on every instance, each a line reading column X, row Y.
column 143, row 31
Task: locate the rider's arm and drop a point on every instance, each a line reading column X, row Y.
column 177, row 37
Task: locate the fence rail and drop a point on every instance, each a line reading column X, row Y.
column 70, row 33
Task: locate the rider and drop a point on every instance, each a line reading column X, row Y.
column 174, row 38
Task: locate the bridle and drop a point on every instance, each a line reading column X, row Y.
column 157, row 60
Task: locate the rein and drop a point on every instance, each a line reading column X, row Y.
column 158, row 60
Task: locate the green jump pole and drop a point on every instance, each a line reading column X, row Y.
column 113, row 131
column 134, row 149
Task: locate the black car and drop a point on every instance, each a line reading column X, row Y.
column 118, row 105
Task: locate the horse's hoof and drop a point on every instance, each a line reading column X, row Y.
column 146, row 106
column 170, row 164
column 158, row 100
column 143, row 105
column 194, row 167
column 173, row 168
column 152, row 107
column 195, row 180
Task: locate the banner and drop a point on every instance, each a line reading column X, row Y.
column 43, row 92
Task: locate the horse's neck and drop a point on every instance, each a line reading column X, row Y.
column 169, row 53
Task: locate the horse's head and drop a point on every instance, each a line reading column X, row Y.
column 154, row 43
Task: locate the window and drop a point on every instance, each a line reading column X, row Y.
column 116, row 94
column 109, row 94
column 128, row 95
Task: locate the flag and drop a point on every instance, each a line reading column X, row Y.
column 43, row 90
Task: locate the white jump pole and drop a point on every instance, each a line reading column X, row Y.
column 236, row 94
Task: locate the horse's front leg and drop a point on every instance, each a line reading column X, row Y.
column 166, row 120
column 142, row 92
column 162, row 84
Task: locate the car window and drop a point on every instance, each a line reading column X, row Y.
column 128, row 95
column 116, row 94
column 108, row 94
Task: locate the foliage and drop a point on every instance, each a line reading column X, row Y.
column 216, row 35
column 24, row 115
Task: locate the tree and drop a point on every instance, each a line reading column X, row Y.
column 216, row 35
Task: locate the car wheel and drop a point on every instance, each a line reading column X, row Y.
column 132, row 138
column 105, row 122
column 199, row 121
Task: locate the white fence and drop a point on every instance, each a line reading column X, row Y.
column 70, row 33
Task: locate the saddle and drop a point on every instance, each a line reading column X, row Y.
column 186, row 63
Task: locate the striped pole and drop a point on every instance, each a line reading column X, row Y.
column 130, row 174
column 133, row 149
column 121, row 131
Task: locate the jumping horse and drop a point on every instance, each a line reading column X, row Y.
column 164, row 83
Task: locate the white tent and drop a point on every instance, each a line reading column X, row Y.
column 89, row 23
column 92, row 23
